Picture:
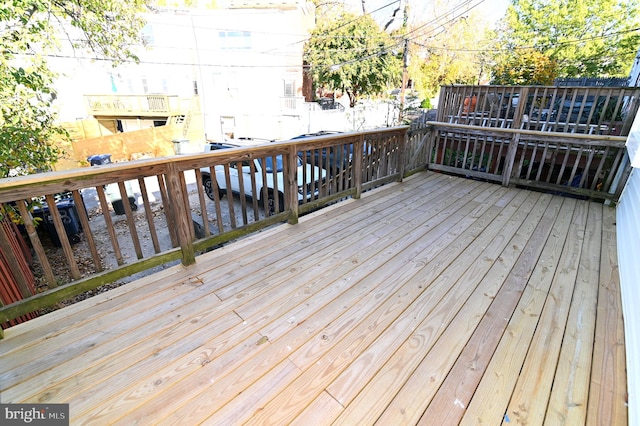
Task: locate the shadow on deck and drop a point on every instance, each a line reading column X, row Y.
column 439, row 300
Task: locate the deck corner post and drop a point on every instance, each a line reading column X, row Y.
column 182, row 218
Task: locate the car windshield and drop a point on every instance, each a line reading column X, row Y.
column 279, row 164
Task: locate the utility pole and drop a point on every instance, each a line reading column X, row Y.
column 405, row 61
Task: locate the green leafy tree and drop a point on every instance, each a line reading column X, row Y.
column 353, row 55
column 30, row 31
column 529, row 67
column 584, row 38
column 449, row 53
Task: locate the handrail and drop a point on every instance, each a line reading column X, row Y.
column 181, row 219
column 584, row 165
column 178, row 206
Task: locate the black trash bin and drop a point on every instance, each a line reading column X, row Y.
column 99, row 159
column 112, row 190
column 70, row 220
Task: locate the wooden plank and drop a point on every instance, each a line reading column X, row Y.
column 457, row 390
column 72, row 344
column 36, row 243
column 62, row 236
column 441, row 314
column 86, row 229
column 23, row 336
column 301, row 237
column 348, row 343
column 241, row 371
column 510, row 259
column 109, row 225
column 530, row 398
column 569, row 396
column 608, row 390
column 363, row 233
column 494, row 391
column 149, row 215
column 322, row 410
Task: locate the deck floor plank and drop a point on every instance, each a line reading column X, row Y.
column 289, row 337
column 449, row 404
column 499, row 377
column 438, row 300
column 510, row 265
column 530, row 398
column 608, row 390
column 418, row 284
column 569, row 396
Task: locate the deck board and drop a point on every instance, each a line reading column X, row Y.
column 439, row 300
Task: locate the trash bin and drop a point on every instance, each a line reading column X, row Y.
column 70, row 220
column 99, row 159
column 112, row 190
column 180, row 146
column 113, row 194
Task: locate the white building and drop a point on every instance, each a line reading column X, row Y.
column 244, row 62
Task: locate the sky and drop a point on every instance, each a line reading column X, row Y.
column 426, row 10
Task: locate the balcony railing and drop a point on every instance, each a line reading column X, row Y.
column 137, row 105
column 172, row 200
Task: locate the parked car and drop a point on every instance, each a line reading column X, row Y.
column 578, row 110
column 273, row 172
column 332, row 158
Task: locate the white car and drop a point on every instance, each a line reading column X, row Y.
column 273, row 175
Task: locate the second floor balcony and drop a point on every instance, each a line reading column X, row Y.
column 137, row 105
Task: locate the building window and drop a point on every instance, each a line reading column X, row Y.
column 235, row 39
column 289, row 88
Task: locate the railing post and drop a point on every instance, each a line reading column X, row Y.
column 291, row 192
column 429, row 140
column 519, row 112
column 403, row 143
column 178, row 198
column 357, row 165
column 510, row 159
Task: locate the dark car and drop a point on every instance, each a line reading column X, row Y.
column 333, row 159
column 580, row 110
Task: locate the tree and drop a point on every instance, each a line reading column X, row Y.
column 30, row 31
column 584, row 38
column 352, row 54
column 529, row 67
column 448, row 54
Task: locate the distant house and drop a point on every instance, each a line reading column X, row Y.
column 227, row 72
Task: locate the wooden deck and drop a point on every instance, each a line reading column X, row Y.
column 436, row 301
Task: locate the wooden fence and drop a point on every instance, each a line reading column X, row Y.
column 582, row 110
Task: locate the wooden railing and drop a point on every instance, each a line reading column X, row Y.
column 589, row 166
column 585, row 110
column 166, row 215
